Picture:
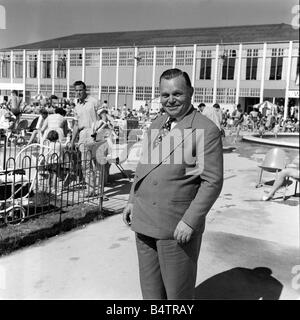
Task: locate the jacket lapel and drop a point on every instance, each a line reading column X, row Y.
column 154, row 157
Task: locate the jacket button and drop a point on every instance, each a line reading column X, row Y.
column 155, row 183
column 154, row 203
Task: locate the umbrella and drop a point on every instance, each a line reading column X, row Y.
column 39, row 97
column 264, row 106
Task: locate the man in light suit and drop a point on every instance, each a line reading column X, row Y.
column 178, row 179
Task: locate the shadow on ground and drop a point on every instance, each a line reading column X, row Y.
column 241, row 284
column 119, row 185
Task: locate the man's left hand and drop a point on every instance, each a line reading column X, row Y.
column 183, row 232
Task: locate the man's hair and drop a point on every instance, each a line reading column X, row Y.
column 174, row 73
column 43, row 111
column 52, row 136
column 201, row 105
column 79, row 83
column 15, row 92
column 216, row 105
column 60, row 111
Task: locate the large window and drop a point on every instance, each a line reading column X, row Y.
column 61, row 66
column 226, row 95
column 92, row 59
column 205, row 65
column 109, row 58
column 18, row 65
column 251, row 66
column 5, row 66
column 203, row 95
column 184, row 57
column 143, row 93
column 228, row 57
column 126, row 58
column 46, row 66
column 164, row 57
column 276, row 64
column 32, row 66
column 76, row 59
column 145, row 58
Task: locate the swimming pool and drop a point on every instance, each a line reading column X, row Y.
column 290, row 140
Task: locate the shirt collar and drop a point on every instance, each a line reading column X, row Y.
column 82, row 101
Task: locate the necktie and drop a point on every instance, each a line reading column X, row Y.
column 163, row 131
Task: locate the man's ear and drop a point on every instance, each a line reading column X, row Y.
column 192, row 90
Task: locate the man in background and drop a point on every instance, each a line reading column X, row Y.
column 85, row 114
column 14, row 104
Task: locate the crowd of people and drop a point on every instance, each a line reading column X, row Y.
column 255, row 121
column 53, row 115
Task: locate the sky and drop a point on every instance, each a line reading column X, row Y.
column 29, row 21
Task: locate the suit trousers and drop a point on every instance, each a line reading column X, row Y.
column 167, row 269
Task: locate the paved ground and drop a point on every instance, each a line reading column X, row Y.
column 249, row 249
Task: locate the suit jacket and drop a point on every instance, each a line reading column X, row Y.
column 179, row 180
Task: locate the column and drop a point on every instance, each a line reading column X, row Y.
column 134, row 77
column 100, row 74
column 68, row 73
column 288, row 75
column 238, row 80
column 153, row 76
column 263, row 71
column 194, row 70
column 216, row 74
column 24, row 75
column 11, row 67
column 83, row 65
column 53, row 72
column 117, row 78
column 174, row 57
column 39, row 72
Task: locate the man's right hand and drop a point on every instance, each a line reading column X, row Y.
column 127, row 214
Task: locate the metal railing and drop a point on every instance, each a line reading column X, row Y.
column 37, row 180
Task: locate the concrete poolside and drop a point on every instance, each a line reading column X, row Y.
column 100, row 262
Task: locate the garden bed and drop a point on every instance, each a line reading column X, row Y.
column 13, row 237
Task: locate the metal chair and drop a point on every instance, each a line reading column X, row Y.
column 275, row 161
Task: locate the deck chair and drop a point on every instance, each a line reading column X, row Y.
column 33, row 124
column 18, row 133
column 287, row 184
column 275, row 161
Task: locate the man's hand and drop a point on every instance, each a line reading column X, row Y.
column 183, row 232
column 127, row 214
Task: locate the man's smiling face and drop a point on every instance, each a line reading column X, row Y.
column 175, row 96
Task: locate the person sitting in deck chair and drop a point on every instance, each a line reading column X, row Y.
column 292, row 170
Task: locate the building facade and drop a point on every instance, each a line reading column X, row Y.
column 225, row 72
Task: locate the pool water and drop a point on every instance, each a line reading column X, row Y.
column 255, row 151
column 286, row 139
